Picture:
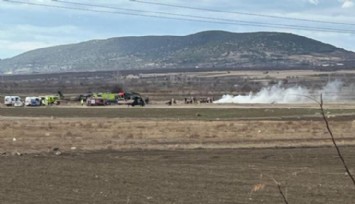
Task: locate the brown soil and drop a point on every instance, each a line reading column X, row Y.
column 307, row 175
column 161, row 159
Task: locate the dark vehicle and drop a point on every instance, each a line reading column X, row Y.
column 84, row 97
column 131, row 98
column 74, row 97
column 138, row 101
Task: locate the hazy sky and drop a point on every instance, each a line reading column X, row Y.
column 26, row 27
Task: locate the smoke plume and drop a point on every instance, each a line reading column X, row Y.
column 280, row 94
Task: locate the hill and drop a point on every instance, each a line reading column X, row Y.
column 209, row 49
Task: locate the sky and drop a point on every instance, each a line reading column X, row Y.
column 25, row 27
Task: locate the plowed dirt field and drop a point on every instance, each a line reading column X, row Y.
column 174, row 155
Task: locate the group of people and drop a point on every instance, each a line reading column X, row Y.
column 192, row 100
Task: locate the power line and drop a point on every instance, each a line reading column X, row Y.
column 241, row 13
column 211, row 18
column 192, row 18
column 110, row 12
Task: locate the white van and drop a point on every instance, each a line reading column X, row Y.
column 32, row 101
column 13, row 101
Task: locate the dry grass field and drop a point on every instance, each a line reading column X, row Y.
column 157, row 128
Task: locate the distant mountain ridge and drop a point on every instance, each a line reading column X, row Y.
column 209, row 49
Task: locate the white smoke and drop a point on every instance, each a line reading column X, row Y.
column 279, row 94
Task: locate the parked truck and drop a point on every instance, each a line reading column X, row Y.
column 108, row 97
column 13, row 101
column 32, row 101
column 50, row 100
